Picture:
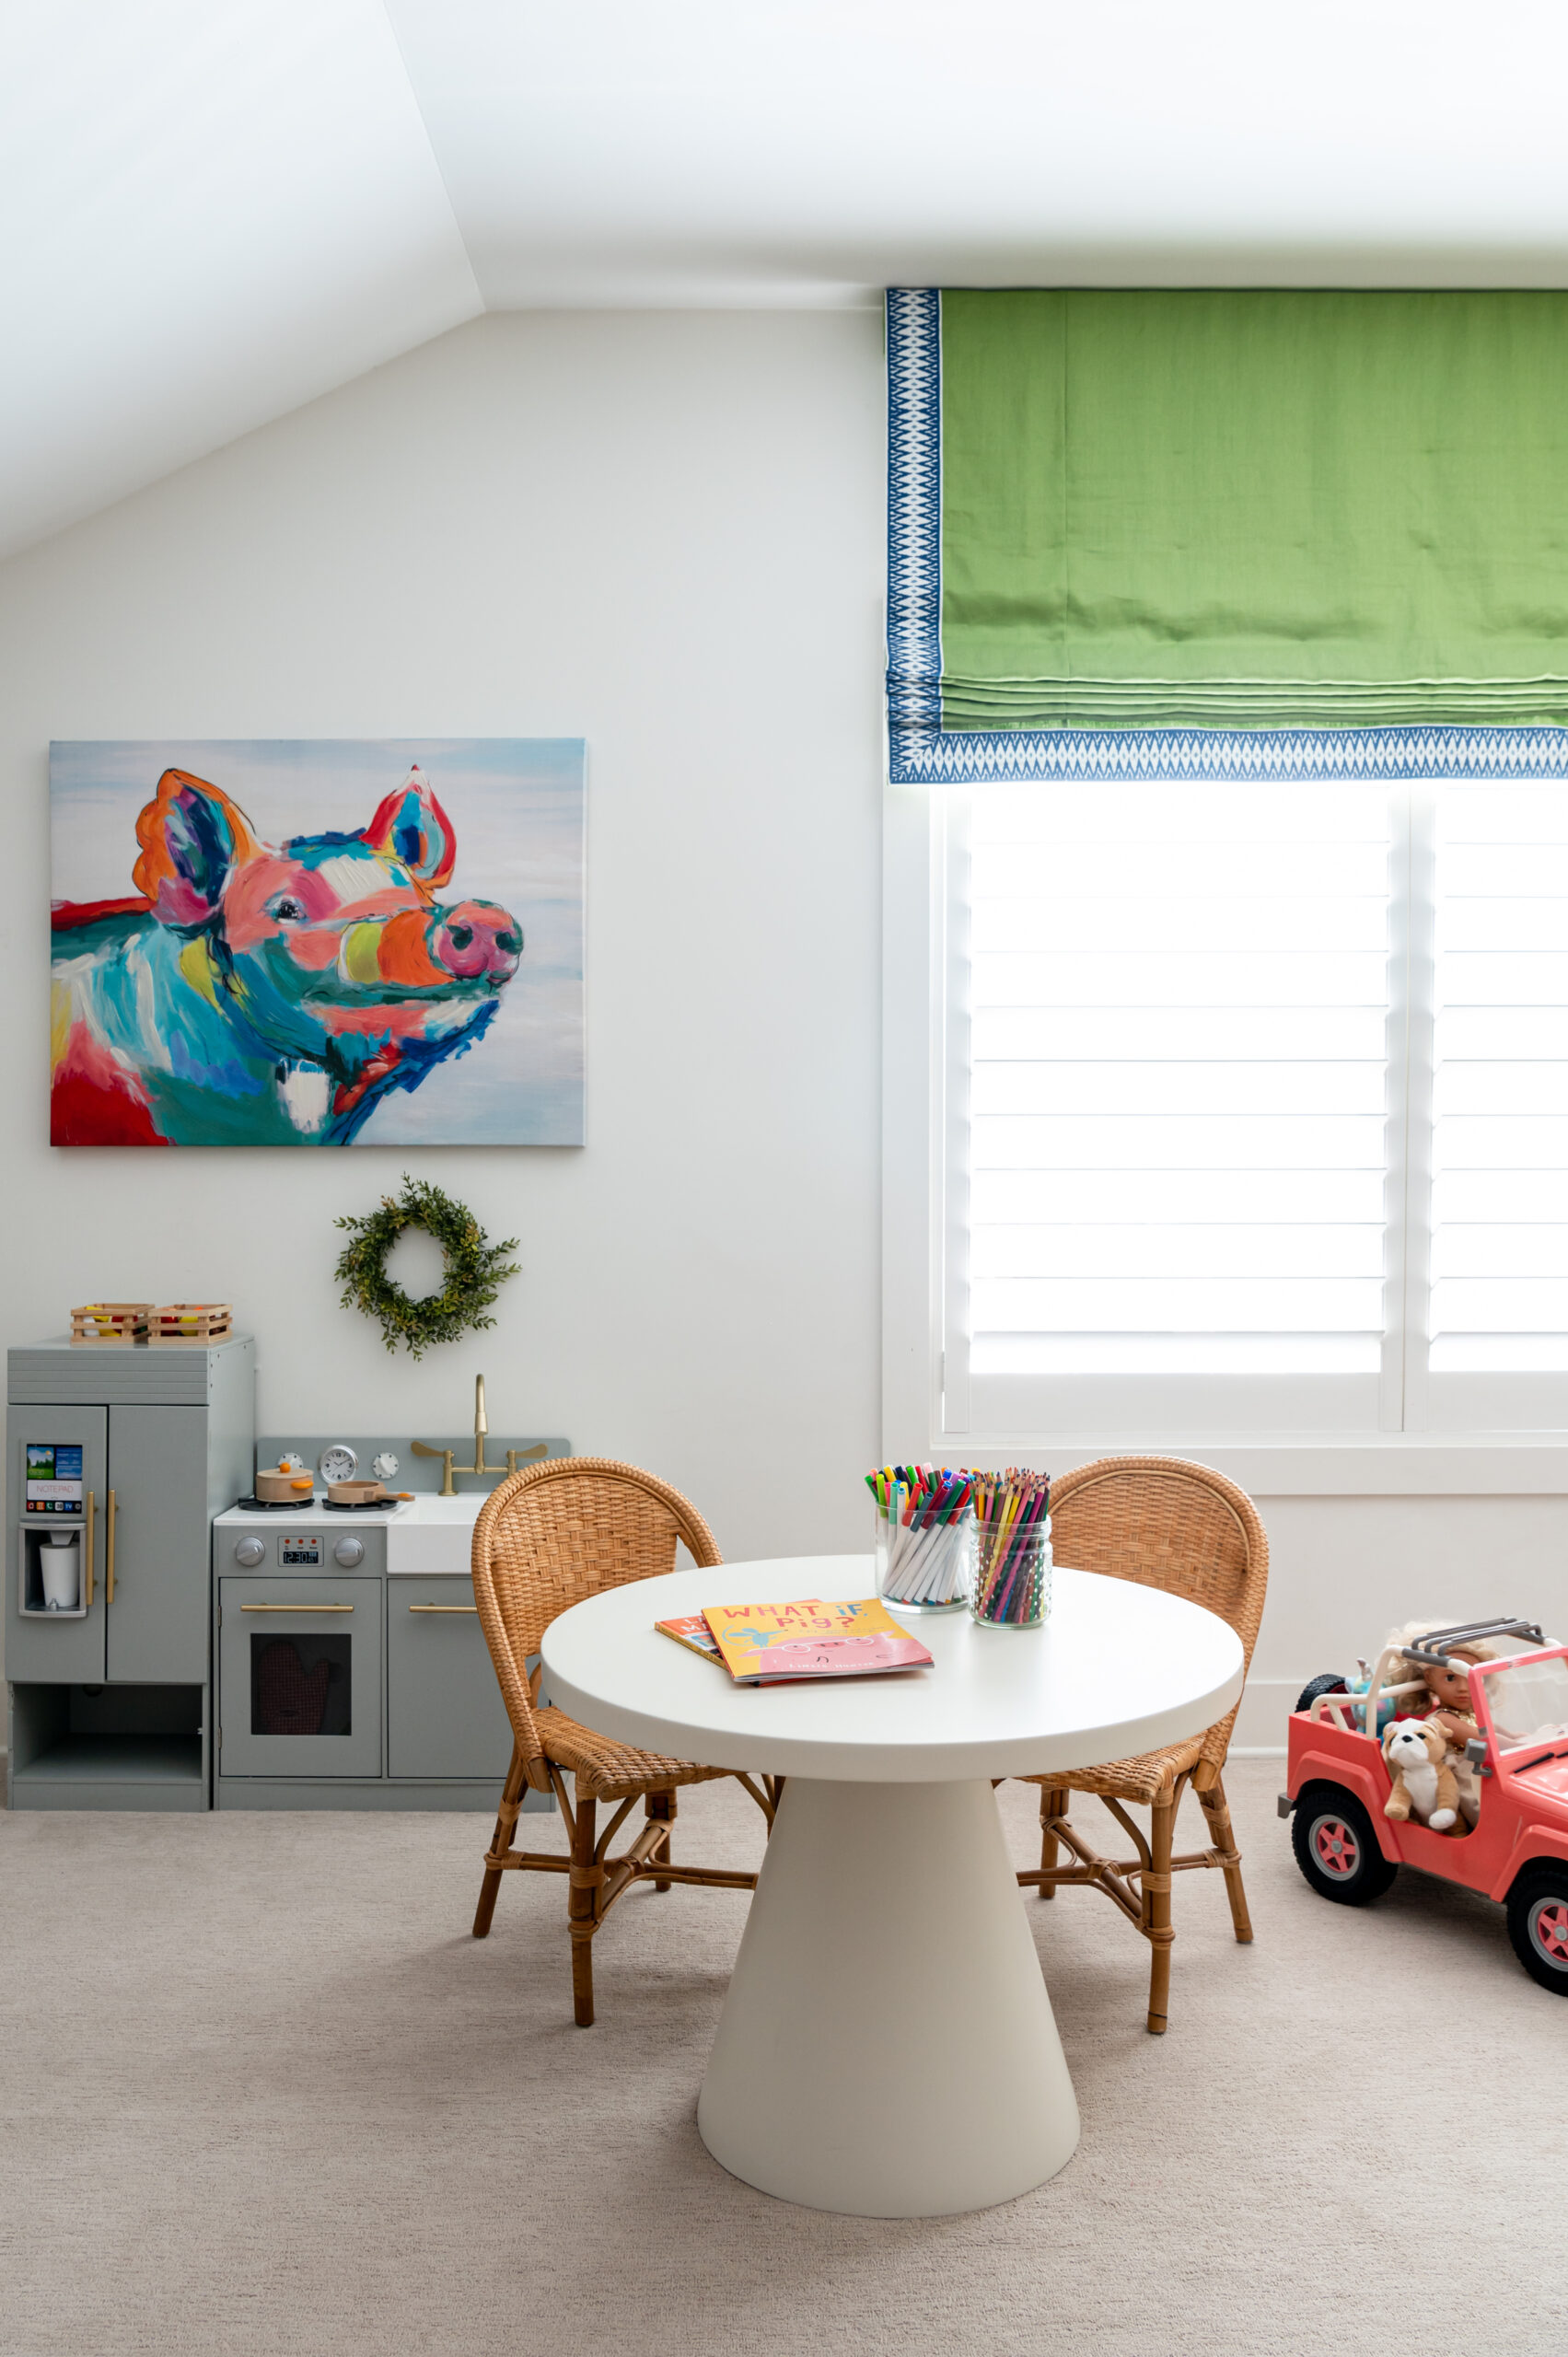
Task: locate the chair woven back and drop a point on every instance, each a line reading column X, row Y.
column 561, row 1531
column 1167, row 1524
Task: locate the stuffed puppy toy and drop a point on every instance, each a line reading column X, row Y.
column 1424, row 1784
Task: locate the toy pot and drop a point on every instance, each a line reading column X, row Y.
column 274, row 1486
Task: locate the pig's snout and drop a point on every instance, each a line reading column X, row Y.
column 477, row 938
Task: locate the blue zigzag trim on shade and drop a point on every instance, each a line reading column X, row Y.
column 921, row 752
column 914, row 509
column 974, row 756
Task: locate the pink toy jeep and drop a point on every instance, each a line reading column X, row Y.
column 1517, row 1850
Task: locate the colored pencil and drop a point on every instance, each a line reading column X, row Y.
column 1012, row 1514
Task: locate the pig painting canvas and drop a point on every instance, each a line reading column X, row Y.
column 318, row 943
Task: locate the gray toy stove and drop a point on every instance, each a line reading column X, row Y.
column 346, row 1680
column 303, row 1535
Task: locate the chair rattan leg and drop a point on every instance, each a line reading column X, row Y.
column 501, row 1842
column 1053, row 1809
column 1156, row 1924
column 582, row 1910
column 1217, row 1810
column 661, row 1807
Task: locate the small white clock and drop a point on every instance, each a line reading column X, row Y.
column 337, row 1463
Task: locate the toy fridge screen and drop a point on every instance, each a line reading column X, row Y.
column 54, row 1477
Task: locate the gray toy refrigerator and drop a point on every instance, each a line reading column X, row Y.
column 117, row 1459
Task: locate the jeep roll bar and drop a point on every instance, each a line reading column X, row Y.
column 1433, row 1651
column 1438, row 1644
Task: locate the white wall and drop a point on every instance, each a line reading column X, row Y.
column 663, row 532
column 1344, row 1570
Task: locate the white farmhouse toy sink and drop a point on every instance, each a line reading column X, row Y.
column 434, row 1534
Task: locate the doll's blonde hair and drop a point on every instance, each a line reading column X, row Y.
column 1474, row 1649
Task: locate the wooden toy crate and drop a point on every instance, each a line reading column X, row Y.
column 201, row 1322
column 108, row 1325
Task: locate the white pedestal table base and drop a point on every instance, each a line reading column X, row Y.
column 887, row 2047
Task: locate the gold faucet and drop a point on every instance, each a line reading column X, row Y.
column 515, row 1457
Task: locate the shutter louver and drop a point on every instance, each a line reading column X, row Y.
column 1178, row 1003
column 1500, row 1141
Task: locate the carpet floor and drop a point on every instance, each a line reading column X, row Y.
column 262, row 2094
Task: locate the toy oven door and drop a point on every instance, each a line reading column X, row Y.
column 299, row 1677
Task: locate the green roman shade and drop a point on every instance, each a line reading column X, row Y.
column 1229, row 509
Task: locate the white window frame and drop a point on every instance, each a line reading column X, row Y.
column 1408, row 1453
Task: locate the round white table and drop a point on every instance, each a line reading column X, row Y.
column 886, row 2046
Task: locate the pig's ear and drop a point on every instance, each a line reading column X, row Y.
column 411, row 828
column 192, row 838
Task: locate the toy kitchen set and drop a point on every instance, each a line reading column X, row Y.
column 198, row 1619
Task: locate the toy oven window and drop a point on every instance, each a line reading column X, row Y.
column 301, row 1685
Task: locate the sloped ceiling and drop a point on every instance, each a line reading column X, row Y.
column 754, row 151
column 214, row 210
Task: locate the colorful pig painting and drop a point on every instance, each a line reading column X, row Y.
column 249, row 995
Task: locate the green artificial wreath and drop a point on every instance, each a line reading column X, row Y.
column 475, row 1268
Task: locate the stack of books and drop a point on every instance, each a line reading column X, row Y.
column 775, row 1645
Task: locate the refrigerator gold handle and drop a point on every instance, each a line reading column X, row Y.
column 443, row 1608
column 109, row 1553
column 87, row 1548
column 296, row 1607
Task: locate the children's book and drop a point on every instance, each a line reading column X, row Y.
column 691, row 1630
column 762, row 1644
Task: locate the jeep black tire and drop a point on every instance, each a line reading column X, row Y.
column 1329, row 1681
column 1336, row 1846
column 1537, row 1925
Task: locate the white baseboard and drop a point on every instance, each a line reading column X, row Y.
column 1261, row 1722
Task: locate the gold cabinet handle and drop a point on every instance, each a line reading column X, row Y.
column 92, row 1502
column 443, row 1608
column 296, row 1607
column 109, row 1553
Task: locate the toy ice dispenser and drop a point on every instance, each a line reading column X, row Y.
column 56, row 1521
column 59, row 1565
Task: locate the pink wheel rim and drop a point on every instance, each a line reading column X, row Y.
column 1338, row 1852
column 1548, row 1929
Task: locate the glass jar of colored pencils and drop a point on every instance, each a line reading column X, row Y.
column 1012, row 1582
column 925, row 1538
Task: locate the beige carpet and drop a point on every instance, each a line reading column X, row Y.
column 260, row 2094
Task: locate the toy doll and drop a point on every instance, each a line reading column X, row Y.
column 1448, row 1706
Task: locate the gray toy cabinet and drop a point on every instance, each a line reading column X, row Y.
column 117, row 1459
column 414, row 1717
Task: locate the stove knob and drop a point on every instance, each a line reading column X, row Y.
column 350, row 1552
column 250, row 1551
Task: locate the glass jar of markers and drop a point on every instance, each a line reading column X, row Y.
column 925, row 1538
column 1013, row 1565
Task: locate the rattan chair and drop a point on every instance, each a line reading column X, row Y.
column 1179, row 1526
column 546, row 1539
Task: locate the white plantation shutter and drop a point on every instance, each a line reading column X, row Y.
column 1256, row 1108
column 1169, row 1105
column 1499, row 1300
